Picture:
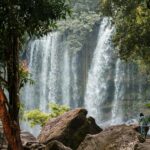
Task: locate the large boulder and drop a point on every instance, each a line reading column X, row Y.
column 69, row 128
column 121, row 137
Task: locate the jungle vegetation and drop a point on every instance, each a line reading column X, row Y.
column 132, row 22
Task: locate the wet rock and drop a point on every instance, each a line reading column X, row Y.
column 56, row 145
column 69, row 128
column 29, row 142
column 119, row 137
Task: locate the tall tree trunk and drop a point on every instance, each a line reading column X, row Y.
column 13, row 84
column 9, row 127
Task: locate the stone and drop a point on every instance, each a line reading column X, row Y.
column 143, row 146
column 29, row 142
column 56, row 145
column 69, row 128
column 121, row 137
column 27, row 137
column 34, row 146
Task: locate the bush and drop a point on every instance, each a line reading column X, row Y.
column 37, row 117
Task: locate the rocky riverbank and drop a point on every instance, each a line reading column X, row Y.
column 75, row 131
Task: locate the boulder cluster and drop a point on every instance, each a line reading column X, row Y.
column 75, row 131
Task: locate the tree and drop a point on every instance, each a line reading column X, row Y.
column 131, row 19
column 17, row 18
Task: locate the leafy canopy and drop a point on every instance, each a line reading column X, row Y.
column 132, row 21
column 23, row 18
column 33, row 17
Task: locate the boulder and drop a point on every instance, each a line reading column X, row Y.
column 56, row 145
column 34, row 146
column 30, row 142
column 69, row 128
column 27, row 137
column 121, row 137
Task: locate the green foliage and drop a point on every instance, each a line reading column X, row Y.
column 85, row 5
column 131, row 19
column 33, row 17
column 22, row 18
column 56, row 109
column 85, row 15
column 78, row 27
column 37, row 117
column 147, row 105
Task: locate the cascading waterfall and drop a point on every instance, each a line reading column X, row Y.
column 111, row 89
column 66, row 79
column 119, row 93
column 53, row 68
column 40, row 62
column 100, row 72
column 62, row 76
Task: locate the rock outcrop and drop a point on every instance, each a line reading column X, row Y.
column 119, row 137
column 69, row 128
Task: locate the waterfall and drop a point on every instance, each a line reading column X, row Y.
column 112, row 85
column 107, row 87
column 54, row 70
column 100, row 72
column 119, row 93
column 40, row 62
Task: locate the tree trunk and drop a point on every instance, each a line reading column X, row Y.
column 10, row 128
column 13, row 84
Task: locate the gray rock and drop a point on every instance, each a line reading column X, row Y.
column 56, row 145
column 119, row 137
column 69, row 128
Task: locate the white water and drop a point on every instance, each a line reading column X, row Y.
column 96, row 90
column 66, row 76
column 40, row 60
column 53, row 69
column 119, row 93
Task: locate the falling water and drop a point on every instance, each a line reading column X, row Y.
column 100, row 72
column 119, row 93
column 66, row 76
column 54, row 70
column 40, row 61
